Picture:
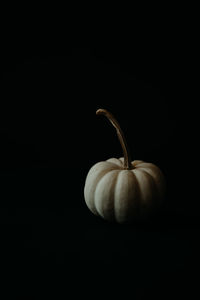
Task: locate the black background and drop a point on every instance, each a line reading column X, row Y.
column 50, row 137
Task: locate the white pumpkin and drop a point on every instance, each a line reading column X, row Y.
column 121, row 190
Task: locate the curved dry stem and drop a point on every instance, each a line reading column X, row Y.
column 120, row 134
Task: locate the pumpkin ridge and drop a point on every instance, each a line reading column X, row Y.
column 152, row 180
column 132, row 182
column 114, row 164
column 114, row 193
column 120, row 165
column 121, row 159
column 151, row 184
column 138, row 190
column 145, row 170
column 136, row 163
column 95, row 183
column 113, row 184
column 154, row 169
column 146, row 165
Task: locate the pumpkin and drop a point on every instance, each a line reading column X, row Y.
column 122, row 190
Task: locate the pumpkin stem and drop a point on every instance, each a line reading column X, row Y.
column 127, row 158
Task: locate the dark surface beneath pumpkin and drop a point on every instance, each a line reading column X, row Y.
column 50, row 136
column 50, row 240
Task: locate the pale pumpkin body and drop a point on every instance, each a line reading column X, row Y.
column 123, row 195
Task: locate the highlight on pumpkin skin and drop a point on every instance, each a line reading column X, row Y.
column 120, row 134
